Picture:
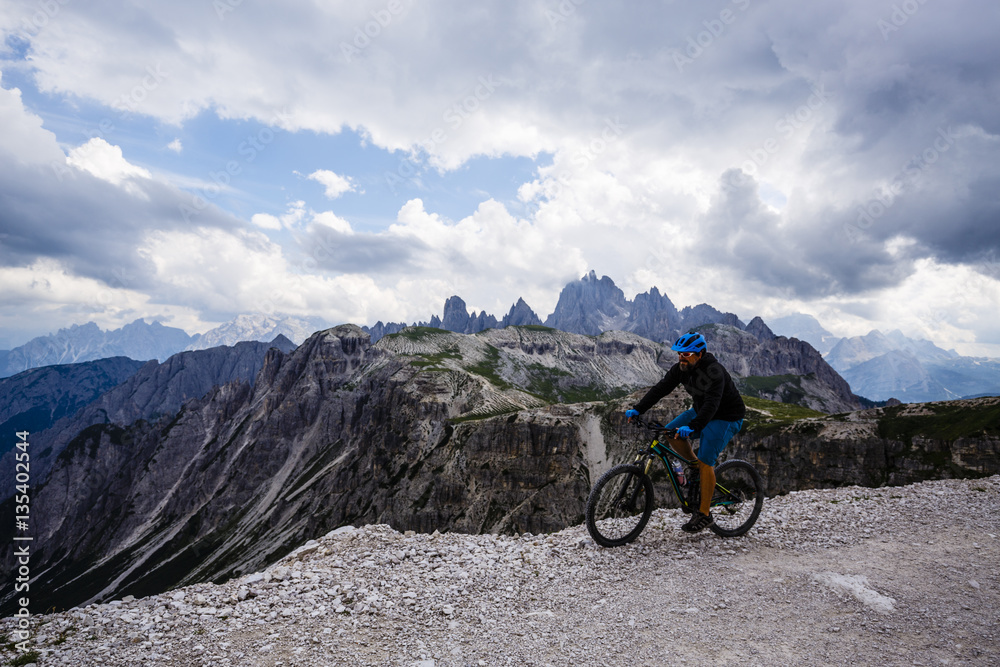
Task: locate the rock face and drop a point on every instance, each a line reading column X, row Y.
column 520, row 315
column 882, row 446
column 760, row 330
column 808, row 379
column 590, row 306
column 336, row 432
column 35, row 399
column 154, row 391
column 653, row 316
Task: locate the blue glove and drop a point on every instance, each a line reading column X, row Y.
column 631, row 413
column 684, row 432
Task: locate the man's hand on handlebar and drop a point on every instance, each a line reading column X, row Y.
column 629, row 414
column 684, row 432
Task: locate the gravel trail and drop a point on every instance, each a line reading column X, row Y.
column 849, row 576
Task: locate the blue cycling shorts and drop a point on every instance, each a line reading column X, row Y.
column 714, row 437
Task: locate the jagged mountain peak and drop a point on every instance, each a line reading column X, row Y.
column 520, row 314
column 590, row 306
column 759, row 329
column 283, row 343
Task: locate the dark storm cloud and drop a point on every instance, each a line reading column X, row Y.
column 94, row 228
column 911, row 148
column 360, row 252
column 805, row 258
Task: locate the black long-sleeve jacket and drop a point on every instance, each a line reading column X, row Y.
column 711, row 388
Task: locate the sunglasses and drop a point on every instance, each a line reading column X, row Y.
column 687, row 355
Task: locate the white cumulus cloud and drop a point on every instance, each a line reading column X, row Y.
column 335, row 184
column 105, row 161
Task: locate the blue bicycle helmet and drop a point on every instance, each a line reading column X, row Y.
column 690, row 342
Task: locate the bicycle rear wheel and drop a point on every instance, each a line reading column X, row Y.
column 619, row 505
column 738, row 498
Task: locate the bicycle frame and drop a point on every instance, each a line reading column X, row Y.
column 663, row 452
column 623, row 498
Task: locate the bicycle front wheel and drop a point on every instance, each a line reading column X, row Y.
column 738, row 498
column 619, row 505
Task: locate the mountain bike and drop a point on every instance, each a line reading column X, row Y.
column 621, row 501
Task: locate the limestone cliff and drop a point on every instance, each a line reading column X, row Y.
column 154, row 390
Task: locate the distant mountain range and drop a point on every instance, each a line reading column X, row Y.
column 876, row 366
column 142, row 341
column 588, row 306
column 882, row 366
column 61, row 402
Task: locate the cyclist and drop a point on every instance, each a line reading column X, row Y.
column 716, row 417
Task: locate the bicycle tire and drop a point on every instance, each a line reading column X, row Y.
column 619, row 505
column 738, row 498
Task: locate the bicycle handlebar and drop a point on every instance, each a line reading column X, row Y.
column 652, row 426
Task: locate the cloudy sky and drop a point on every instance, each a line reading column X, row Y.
column 362, row 161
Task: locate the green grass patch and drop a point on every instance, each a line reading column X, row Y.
column 26, row 658
column 783, row 411
column 419, row 333
column 433, row 361
column 766, row 417
column 536, row 327
column 949, row 422
column 785, row 388
column 754, row 384
column 553, row 385
column 489, row 368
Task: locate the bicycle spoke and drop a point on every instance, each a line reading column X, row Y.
column 619, row 506
column 738, row 498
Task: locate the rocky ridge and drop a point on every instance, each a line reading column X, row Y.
column 338, row 431
column 35, row 399
column 155, row 390
column 825, row 577
column 808, row 380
